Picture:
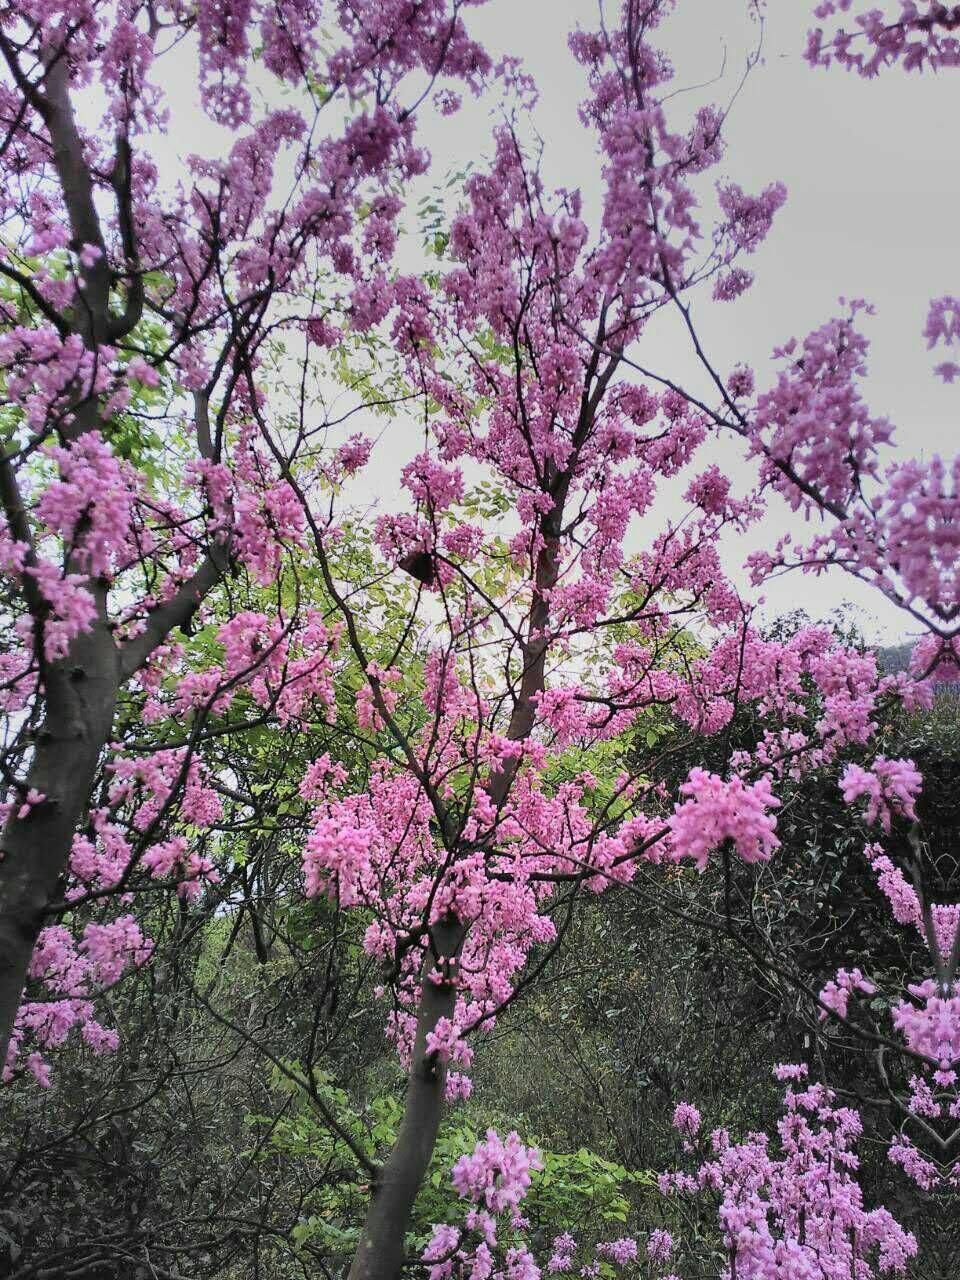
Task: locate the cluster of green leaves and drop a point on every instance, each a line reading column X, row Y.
column 579, row 1191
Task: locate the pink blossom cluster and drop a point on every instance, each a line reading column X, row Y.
column 805, row 678
column 837, row 992
column 561, row 1256
column 943, row 326
column 815, row 417
column 716, row 811
column 901, row 895
column 928, row 1019
column 906, row 908
column 915, row 521
column 89, row 506
column 686, row 1119
column 147, row 783
column 378, row 849
column 285, row 665
column 497, row 1172
column 660, row 1245
column 945, row 918
column 495, row 1178
column 73, row 976
column 890, row 787
column 891, row 525
column 620, row 1252
column 797, row 1211
column 930, row 1025
column 916, row 1166
column 914, row 33
column 936, row 657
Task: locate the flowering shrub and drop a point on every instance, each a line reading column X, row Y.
column 796, row 1211
column 793, row 1212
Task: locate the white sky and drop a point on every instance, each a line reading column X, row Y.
column 873, row 211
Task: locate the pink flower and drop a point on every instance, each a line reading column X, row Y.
column 836, row 994
column 30, row 801
column 686, row 1119
column 619, row 1252
column 717, row 811
column 890, row 786
column 90, row 255
column 660, row 1245
column 497, row 1173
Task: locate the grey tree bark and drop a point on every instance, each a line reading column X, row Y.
column 381, row 1249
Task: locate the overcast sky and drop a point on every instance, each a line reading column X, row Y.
column 873, row 210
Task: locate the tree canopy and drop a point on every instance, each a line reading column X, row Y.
column 453, row 873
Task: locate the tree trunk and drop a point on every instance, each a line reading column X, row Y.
column 81, row 694
column 379, row 1254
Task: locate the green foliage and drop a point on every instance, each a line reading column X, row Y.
column 580, row 1189
column 567, row 1181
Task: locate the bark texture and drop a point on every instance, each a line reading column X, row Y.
column 380, row 1253
column 81, row 696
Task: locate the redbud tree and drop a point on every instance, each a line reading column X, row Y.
column 550, row 317
column 167, row 466
column 138, row 300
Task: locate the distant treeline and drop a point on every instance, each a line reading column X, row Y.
column 896, row 657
